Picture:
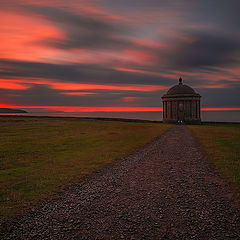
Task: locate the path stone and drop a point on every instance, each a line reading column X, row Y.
column 166, row 190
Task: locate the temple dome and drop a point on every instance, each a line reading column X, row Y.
column 180, row 89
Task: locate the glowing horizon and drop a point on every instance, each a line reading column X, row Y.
column 105, row 109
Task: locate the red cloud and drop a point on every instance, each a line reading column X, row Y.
column 129, row 99
column 13, row 84
column 25, row 83
column 79, row 93
column 167, row 75
column 220, row 109
column 79, row 86
column 18, row 34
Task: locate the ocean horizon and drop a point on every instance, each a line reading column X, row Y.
column 212, row 116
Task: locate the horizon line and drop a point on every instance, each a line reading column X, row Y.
column 110, row 109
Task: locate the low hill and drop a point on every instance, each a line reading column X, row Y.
column 9, row 110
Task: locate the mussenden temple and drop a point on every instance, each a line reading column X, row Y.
column 181, row 104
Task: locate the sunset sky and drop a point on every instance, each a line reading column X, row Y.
column 117, row 55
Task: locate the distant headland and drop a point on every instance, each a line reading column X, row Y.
column 9, row 110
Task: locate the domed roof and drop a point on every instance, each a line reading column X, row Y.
column 180, row 89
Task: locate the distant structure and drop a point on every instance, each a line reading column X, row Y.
column 181, row 104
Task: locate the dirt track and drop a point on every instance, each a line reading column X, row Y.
column 166, row 190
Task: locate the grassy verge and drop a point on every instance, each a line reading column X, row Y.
column 222, row 144
column 39, row 155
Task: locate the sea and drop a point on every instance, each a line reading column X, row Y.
column 206, row 116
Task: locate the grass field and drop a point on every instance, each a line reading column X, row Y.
column 222, row 144
column 40, row 155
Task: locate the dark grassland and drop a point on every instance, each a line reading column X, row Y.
column 222, row 144
column 38, row 156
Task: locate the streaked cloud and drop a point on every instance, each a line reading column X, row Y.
column 117, row 54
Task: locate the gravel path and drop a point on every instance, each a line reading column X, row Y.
column 166, row 190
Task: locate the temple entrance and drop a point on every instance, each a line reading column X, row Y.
column 180, row 113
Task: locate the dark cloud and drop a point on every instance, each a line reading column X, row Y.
column 216, row 12
column 80, row 73
column 13, row 68
column 93, row 32
column 203, row 50
column 82, row 31
column 63, row 15
column 42, row 95
column 223, row 15
column 220, row 97
column 136, row 5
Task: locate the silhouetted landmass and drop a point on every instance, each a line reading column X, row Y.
column 9, row 110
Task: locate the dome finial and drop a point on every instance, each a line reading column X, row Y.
column 180, row 81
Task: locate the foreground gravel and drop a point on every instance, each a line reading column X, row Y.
column 166, row 190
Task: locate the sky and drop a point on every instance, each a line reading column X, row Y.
column 116, row 56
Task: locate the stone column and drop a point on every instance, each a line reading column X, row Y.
column 196, row 108
column 175, row 110
column 165, row 110
column 184, row 109
column 193, row 116
column 199, row 109
column 170, row 103
column 187, row 110
column 168, row 110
